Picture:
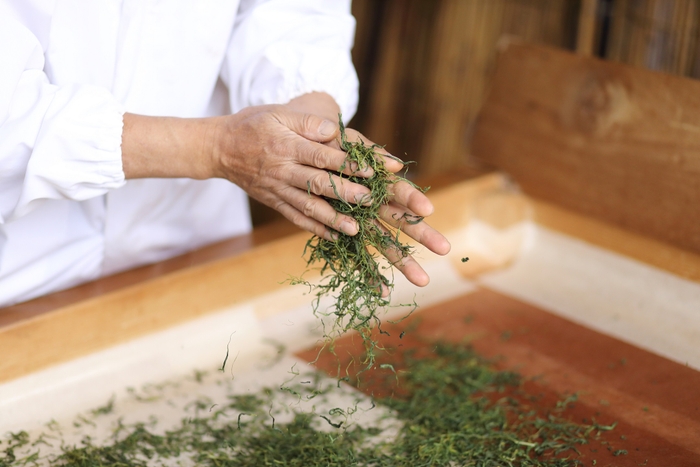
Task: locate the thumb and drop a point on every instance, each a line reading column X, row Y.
column 312, row 127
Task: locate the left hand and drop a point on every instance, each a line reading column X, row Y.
column 405, row 199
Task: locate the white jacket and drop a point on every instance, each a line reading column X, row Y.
column 69, row 69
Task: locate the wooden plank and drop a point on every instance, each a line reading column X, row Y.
column 217, row 251
column 604, row 139
column 585, row 34
column 151, row 304
column 653, row 401
column 678, row 261
column 106, row 320
column 99, row 321
column 462, row 58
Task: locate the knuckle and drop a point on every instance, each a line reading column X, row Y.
column 318, row 183
column 308, row 122
column 318, row 230
column 309, row 207
column 278, row 205
column 297, row 218
column 319, row 158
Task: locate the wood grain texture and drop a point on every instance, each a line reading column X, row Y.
column 118, row 309
column 104, row 320
column 654, row 401
column 430, row 65
column 607, row 140
column 225, row 249
column 100, row 320
column 585, row 34
column 656, row 34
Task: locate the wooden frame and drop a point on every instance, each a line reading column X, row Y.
column 101, row 321
column 607, row 140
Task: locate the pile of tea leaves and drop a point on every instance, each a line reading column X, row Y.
column 349, row 266
column 453, row 408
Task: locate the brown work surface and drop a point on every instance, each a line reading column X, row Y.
column 262, row 234
column 94, row 316
column 216, row 251
column 655, row 402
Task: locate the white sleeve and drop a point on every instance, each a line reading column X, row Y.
column 56, row 142
column 281, row 49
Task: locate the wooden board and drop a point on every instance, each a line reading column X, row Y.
column 615, row 142
column 108, row 315
column 654, row 401
column 424, row 67
column 570, row 357
column 100, row 320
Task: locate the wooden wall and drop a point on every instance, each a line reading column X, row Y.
column 608, row 140
column 656, row 34
column 424, row 67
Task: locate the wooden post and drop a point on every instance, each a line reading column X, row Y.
column 585, row 36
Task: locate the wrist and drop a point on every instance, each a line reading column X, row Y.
column 212, row 136
column 167, row 147
column 218, row 145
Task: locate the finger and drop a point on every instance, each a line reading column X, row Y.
column 310, row 126
column 304, row 222
column 322, row 183
column 392, row 163
column 319, row 210
column 315, row 130
column 410, row 197
column 405, row 263
column 415, row 227
column 324, row 157
column 385, row 290
column 382, row 288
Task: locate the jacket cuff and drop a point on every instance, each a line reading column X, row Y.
column 77, row 154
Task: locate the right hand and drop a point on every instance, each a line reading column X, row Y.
column 285, row 159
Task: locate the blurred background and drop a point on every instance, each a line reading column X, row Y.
column 424, row 65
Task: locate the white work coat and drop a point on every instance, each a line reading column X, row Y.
column 69, row 69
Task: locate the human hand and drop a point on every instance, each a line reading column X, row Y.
column 278, row 157
column 290, row 161
column 405, row 210
column 283, row 156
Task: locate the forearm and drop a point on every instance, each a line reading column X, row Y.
column 285, row 156
column 167, row 147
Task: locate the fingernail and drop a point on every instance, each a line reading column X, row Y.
column 327, row 128
column 363, row 199
column 331, row 235
column 365, row 171
column 391, row 156
column 348, row 228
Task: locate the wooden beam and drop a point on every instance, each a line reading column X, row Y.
column 15, row 314
column 99, row 321
column 619, row 143
column 585, row 35
column 98, row 315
